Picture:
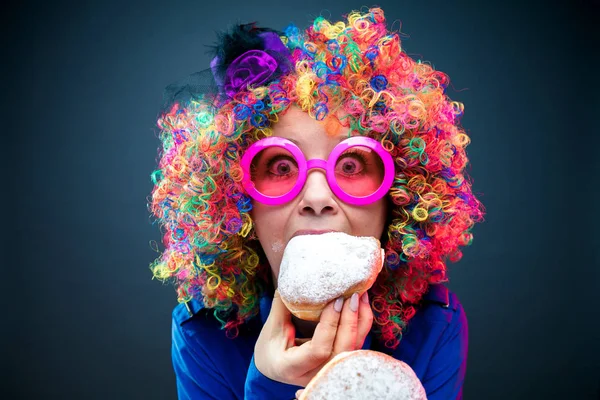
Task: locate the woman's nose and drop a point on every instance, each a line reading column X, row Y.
column 316, row 196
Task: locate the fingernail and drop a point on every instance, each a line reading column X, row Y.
column 338, row 304
column 354, row 302
column 365, row 298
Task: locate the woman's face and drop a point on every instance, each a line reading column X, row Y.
column 315, row 207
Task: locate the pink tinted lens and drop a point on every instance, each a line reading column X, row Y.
column 359, row 171
column 274, row 171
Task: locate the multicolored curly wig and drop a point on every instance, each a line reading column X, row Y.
column 358, row 67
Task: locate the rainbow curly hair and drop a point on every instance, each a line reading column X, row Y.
column 357, row 67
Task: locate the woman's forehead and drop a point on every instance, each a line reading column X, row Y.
column 299, row 127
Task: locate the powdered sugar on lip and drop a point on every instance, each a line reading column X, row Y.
column 320, row 268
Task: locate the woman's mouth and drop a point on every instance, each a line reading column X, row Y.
column 312, row 232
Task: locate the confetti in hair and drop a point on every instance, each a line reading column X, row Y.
column 353, row 74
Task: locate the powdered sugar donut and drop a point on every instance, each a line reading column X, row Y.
column 317, row 269
column 364, row 374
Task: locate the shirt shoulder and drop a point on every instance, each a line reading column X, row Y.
column 184, row 312
column 437, row 314
column 431, row 335
column 441, row 295
column 202, row 348
column 439, row 303
column 195, row 327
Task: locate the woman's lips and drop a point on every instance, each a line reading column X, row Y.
column 311, row 232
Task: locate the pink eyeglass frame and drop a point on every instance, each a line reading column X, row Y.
column 329, row 167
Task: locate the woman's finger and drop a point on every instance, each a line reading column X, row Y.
column 324, row 336
column 347, row 332
column 299, row 393
column 365, row 320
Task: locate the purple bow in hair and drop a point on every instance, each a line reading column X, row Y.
column 254, row 67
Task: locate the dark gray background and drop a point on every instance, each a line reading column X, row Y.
column 81, row 91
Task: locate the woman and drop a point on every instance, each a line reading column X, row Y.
column 229, row 211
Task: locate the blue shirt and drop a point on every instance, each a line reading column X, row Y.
column 209, row 365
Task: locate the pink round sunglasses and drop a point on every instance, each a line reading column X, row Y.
column 329, row 166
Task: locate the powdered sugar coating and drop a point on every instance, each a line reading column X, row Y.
column 320, row 268
column 277, row 246
column 368, row 375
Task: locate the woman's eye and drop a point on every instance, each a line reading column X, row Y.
column 350, row 165
column 281, row 166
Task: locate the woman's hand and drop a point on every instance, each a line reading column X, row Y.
column 343, row 326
